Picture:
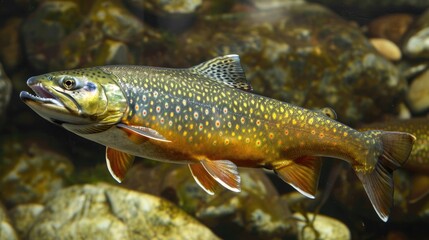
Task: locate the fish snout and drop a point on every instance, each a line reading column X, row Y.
column 32, row 81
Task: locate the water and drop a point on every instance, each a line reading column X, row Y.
column 313, row 55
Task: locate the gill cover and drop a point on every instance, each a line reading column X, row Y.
column 105, row 108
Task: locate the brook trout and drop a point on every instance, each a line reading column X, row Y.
column 207, row 117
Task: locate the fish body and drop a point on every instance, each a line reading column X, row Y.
column 206, row 116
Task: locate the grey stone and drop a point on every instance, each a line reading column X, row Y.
column 6, row 230
column 416, row 42
column 323, row 227
column 104, row 211
column 24, row 216
column 256, row 211
column 30, row 173
column 418, row 93
column 162, row 7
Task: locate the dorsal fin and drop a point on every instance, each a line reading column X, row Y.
column 225, row 69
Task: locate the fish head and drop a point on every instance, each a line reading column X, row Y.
column 78, row 98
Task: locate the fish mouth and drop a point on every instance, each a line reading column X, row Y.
column 42, row 96
column 46, row 104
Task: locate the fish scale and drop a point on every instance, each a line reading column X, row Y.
column 207, row 117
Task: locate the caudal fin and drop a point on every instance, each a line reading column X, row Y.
column 378, row 184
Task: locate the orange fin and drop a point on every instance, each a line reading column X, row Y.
column 302, row 174
column 419, row 189
column 203, row 178
column 118, row 163
column 144, row 132
column 378, row 184
column 224, row 172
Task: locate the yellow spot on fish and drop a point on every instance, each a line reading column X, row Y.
column 294, row 122
column 345, row 134
column 274, row 116
column 310, row 121
column 226, row 141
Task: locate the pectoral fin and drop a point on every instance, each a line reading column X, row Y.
column 144, row 132
column 86, row 128
column 118, row 163
column 203, row 178
column 302, row 174
column 223, row 171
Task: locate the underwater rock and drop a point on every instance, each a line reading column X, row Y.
column 416, row 41
column 108, row 34
column 303, row 54
column 45, row 28
column 255, row 212
column 392, row 26
column 116, row 21
column 10, row 48
column 386, row 48
column 418, row 93
column 364, row 10
column 322, row 227
column 172, row 15
column 30, row 173
column 272, row 4
column 6, row 230
column 5, row 91
column 109, row 212
column 162, row 7
column 24, row 216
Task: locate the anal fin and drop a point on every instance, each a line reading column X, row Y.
column 203, row 178
column 118, row 163
column 302, row 174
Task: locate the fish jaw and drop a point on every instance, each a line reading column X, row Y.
column 47, row 105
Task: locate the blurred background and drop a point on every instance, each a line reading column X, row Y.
column 367, row 60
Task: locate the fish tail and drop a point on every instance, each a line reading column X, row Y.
column 378, row 184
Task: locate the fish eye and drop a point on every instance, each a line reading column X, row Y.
column 69, row 83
